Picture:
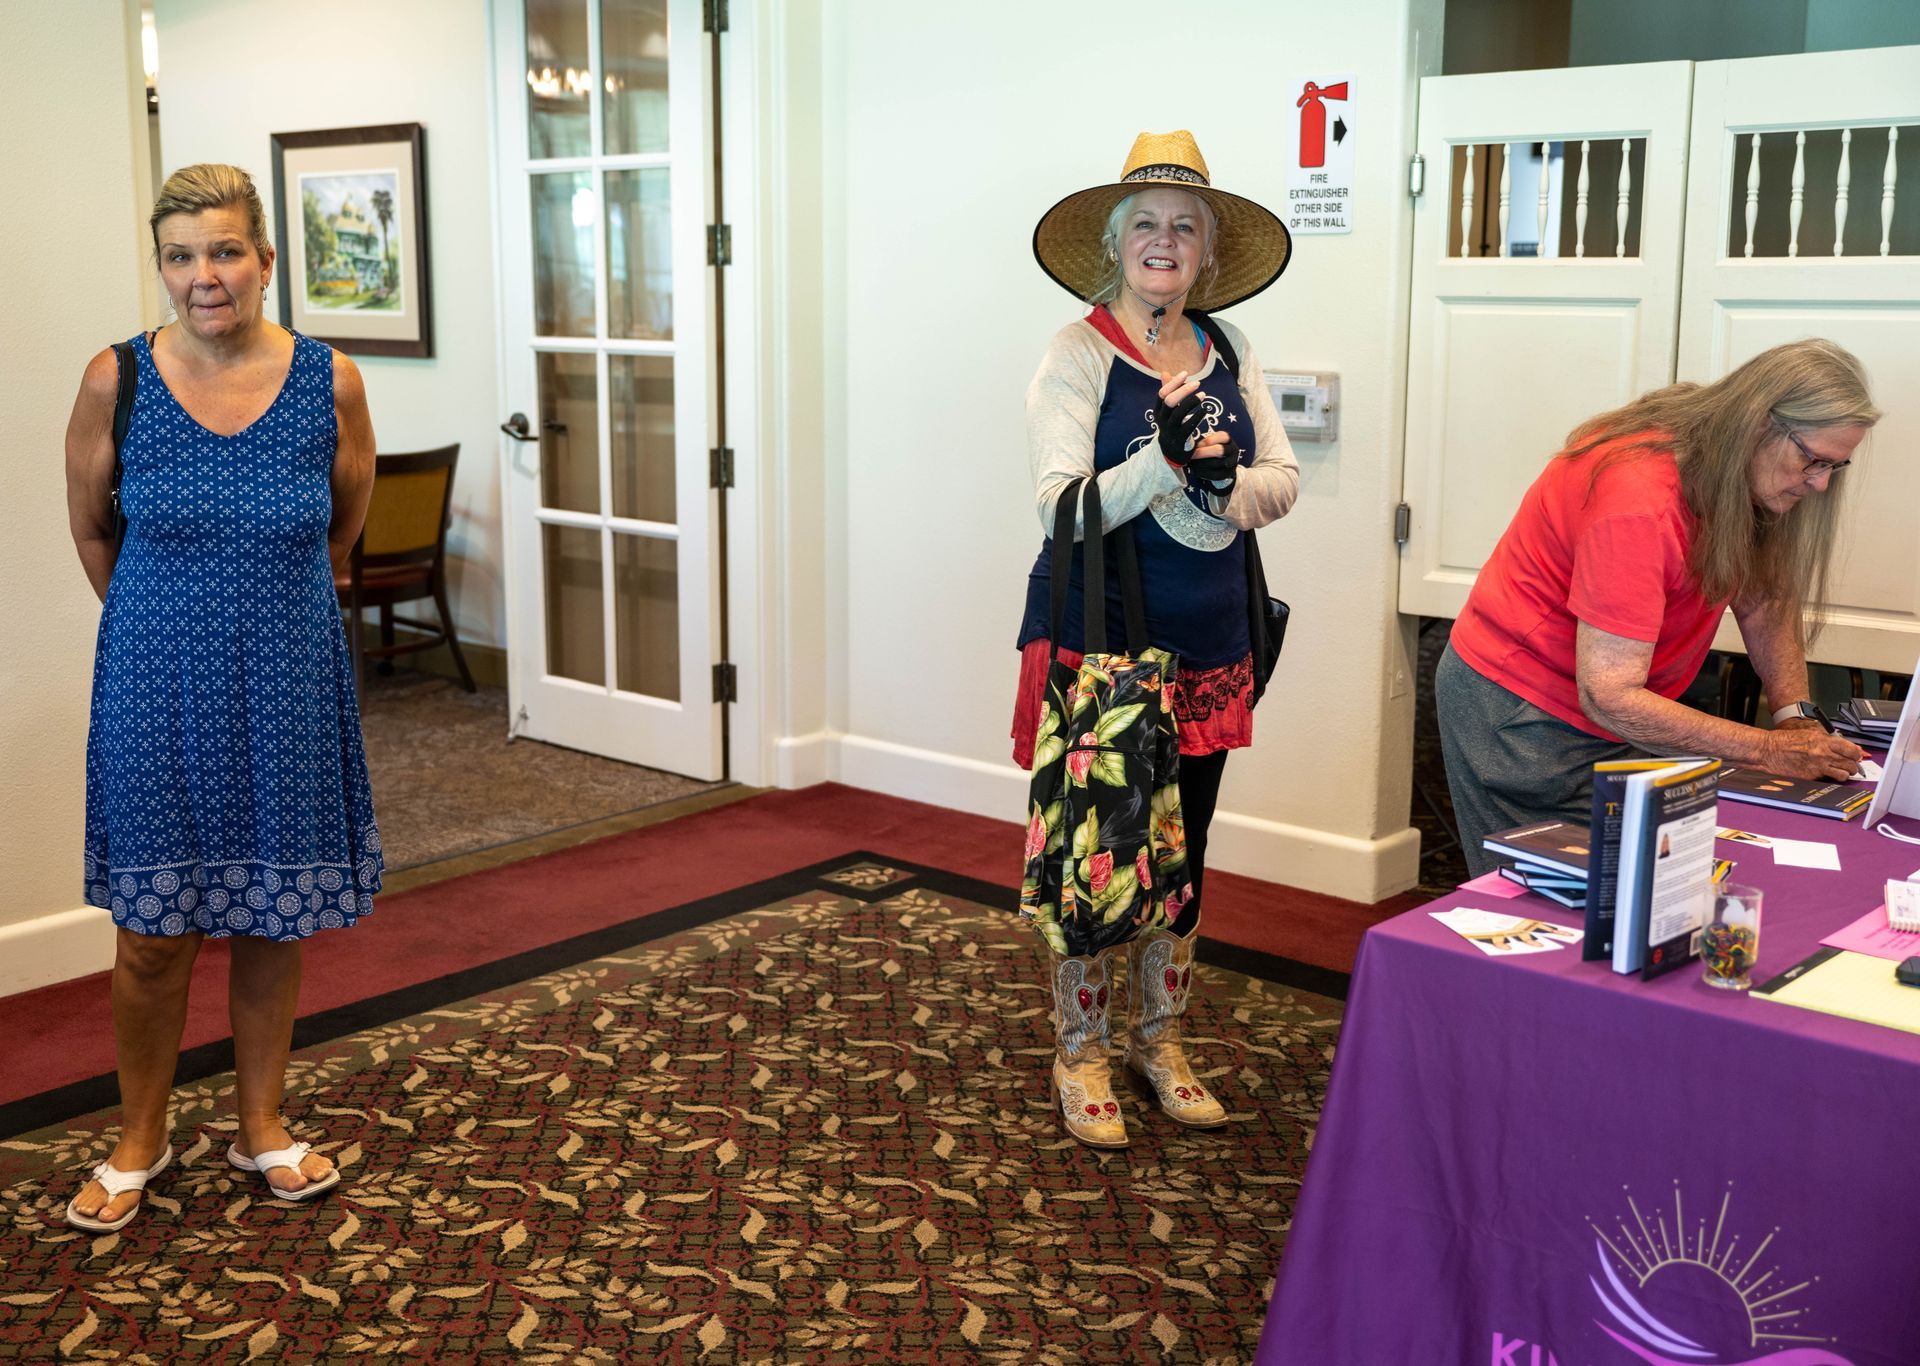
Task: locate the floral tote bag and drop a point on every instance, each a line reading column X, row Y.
column 1105, row 850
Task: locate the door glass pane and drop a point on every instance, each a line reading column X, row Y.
column 639, row 255
column 576, row 635
column 642, row 400
column 633, row 45
column 558, row 79
column 646, row 619
column 563, row 212
column 569, row 433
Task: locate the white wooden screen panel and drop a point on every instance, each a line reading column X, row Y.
column 1544, row 360
column 1735, row 304
column 1507, row 354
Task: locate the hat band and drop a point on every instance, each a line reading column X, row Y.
column 1166, row 171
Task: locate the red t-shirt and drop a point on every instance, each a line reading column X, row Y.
column 1611, row 552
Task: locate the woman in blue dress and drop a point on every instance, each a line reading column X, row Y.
column 227, row 788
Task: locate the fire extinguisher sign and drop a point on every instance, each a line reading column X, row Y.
column 1320, row 155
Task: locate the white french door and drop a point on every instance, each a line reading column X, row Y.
column 1803, row 220
column 1546, row 268
column 603, row 185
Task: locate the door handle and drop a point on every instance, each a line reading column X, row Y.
column 517, row 428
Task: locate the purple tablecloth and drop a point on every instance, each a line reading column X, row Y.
column 1531, row 1161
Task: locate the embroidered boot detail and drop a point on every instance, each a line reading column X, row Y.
column 1082, row 1083
column 1160, row 980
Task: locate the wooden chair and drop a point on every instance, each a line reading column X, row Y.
column 401, row 557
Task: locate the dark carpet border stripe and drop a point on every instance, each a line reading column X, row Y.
column 1268, row 967
column 65, row 1103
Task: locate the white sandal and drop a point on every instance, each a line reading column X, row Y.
column 117, row 1183
column 289, row 1157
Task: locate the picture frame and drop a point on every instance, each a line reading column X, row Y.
column 350, row 213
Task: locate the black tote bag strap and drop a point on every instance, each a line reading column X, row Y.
column 1130, row 600
column 1093, row 606
column 1093, row 572
column 1060, row 566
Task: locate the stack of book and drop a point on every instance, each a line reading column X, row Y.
column 1836, row 801
column 1548, row 857
column 1643, row 870
column 1868, row 721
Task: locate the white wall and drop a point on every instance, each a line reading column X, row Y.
column 235, row 72
column 70, row 86
column 947, row 133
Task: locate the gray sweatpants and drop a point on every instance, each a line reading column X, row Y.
column 1508, row 762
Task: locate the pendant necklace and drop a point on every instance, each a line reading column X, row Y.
column 1153, row 327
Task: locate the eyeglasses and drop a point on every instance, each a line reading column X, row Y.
column 1815, row 464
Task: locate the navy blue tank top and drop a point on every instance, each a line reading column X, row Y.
column 1193, row 572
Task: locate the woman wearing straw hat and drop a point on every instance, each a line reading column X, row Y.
column 1189, row 456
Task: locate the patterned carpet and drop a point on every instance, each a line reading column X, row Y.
column 802, row 1121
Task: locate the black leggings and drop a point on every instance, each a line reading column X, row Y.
column 1199, row 791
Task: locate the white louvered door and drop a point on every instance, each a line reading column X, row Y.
column 1819, row 235
column 1545, row 279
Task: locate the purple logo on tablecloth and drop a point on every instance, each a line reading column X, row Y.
column 1681, row 1294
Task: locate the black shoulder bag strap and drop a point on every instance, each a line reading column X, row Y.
column 1264, row 623
column 122, row 417
column 1218, row 336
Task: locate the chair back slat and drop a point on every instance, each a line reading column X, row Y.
column 408, row 513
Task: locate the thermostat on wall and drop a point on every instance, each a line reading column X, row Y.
column 1307, row 404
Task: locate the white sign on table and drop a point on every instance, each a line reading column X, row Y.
column 1320, row 155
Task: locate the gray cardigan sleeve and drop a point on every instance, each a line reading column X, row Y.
column 1063, row 409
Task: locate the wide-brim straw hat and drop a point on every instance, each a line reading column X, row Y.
column 1250, row 250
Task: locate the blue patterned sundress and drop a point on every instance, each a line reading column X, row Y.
column 226, row 782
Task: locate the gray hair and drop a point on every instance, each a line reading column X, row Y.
column 1113, row 274
column 1715, row 432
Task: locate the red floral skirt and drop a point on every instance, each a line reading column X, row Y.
column 1212, row 708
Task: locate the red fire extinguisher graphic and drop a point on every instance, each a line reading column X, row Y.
column 1313, row 121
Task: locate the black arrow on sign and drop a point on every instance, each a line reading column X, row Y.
column 1339, row 129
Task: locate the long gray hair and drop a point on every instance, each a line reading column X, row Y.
column 1715, row 432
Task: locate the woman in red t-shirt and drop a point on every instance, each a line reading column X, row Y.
column 1598, row 606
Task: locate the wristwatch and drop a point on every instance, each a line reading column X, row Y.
column 1805, row 711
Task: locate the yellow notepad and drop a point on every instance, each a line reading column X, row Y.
column 1857, row 986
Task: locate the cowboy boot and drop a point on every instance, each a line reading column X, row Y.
column 1161, row 976
column 1082, row 1085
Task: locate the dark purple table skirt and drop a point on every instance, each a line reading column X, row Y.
column 1521, row 1156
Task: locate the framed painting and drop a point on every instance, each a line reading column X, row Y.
column 350, row 207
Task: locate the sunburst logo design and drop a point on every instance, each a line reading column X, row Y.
column 1686, row 1293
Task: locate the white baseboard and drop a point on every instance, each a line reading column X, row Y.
column 1354, row 869
column 55, row 948
column 998, row 790
column 1364, row 870
column 803, row 760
